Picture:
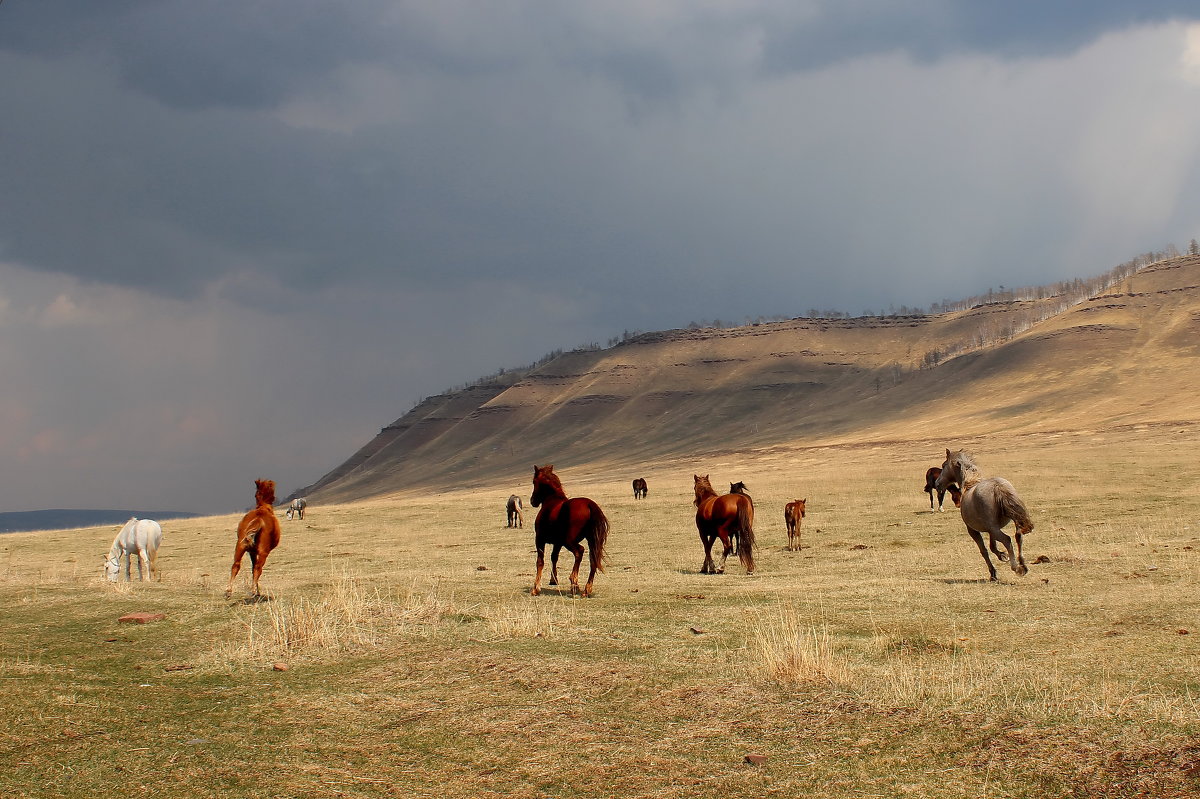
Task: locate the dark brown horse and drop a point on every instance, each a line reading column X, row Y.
column 738, row 488
column 515, row 511
column 563, row 522
column 793, row 512
column 988, row 504
column 639, row 488
column 257, row 533
column 931, row 476
column 724, row 517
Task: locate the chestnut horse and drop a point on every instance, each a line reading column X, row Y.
column 931, row 476
column 563, row 522
column 988, row 504
column 257, row 533
column 639, row 488
column 724, row 517
column 793, row 512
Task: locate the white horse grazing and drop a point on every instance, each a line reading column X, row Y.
column 138, row 538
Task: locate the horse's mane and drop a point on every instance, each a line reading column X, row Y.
column 704, row 488
column 265, row 492
column 546, row 475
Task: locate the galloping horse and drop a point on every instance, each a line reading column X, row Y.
column 639, row 488
column 299, row 504
column 931, row 476
column 563, row 522
column 724, row 517
column 139, row 538
column 516, row 517
column 257, row 533
column 988, row 504
column 793, row 512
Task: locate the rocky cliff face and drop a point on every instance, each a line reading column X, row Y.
column 1122, row 357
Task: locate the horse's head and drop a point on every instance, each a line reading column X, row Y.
column 264, row 492
column 545, row 484
column 112, row 566
column 703, row 487
column 800, row 503
column 955, row 466
column 739, row 488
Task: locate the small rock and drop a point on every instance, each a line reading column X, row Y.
column 481, row 568
column 281, row 667
column 1042, row 559
column 141, row 618
column 755, row 759
column 1182, row 631
column 698, row 630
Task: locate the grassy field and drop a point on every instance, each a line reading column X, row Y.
column 877, row 661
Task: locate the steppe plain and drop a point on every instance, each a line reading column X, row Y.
column 876, row 661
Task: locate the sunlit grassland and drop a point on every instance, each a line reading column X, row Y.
column 875, row 661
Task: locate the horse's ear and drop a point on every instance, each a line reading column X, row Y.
column 947, row 454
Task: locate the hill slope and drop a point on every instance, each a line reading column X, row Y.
column 1128, row 356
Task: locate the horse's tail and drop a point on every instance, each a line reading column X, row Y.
column 598, row 534
column 746, row 534
column 1014, row 508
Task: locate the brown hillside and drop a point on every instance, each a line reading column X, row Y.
column 1126, row 357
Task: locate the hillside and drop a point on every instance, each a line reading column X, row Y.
column 1127, row 356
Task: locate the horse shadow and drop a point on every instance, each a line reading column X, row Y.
column 963, row 581
column 253, row 600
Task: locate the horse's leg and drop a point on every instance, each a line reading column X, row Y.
column 1014, row 558
column 709, row 567
column 941, row 498
column 1018, row 536
column 238, row 551
column 554, row 564
column 978, row 537
column 996, row 549
column 143, row 560
column 154, row 564
column 929, row 491
column 541, row 561
column 577, row 551
column 728, row 541
column 258, row 559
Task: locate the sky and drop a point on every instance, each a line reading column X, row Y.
column 239, row 237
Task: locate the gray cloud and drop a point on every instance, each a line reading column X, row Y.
column 469, row 186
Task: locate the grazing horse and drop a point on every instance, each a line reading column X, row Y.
column 139, row 538
column 793, row 512
column 931, row 476
column 563, row 522
column 724, row 517
column 257, row 534
column 639, row 488
column 297, row 508
column 516, row 516
column 988, row 504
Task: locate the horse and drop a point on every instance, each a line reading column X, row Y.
column 297, row 508
column 931, row 476
column 639, row 488
column 724, row 517
column 139, row 538
column 988, row 504
column 257, row 534
column 738, row 488
column 516, row 517
column 793, row 512
column 563, row 522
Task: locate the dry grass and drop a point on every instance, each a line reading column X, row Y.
column 877, row 660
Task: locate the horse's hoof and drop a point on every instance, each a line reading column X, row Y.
column 534, row 592
column 1022, row 570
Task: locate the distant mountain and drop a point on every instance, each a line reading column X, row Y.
column 1121, row 352
column 71, row 518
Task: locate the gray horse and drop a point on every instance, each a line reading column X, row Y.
column 297, row 508
column 988, row 504
column 515, row 517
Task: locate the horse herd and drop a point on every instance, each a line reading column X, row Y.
column 986, row 504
